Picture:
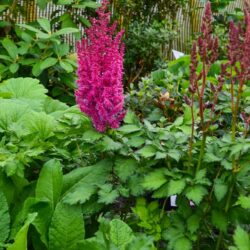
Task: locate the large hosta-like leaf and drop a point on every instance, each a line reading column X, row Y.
column 23, row 88
column 11, row 111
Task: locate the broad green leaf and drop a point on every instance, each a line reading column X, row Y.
column 40, row 124
column 154, row 180
column 66, row 228
column 42, row 4
column 120, row 233
column 219, row 220
column 176, row 186
column 241, row 239
column 36, row 69
column 7, row 58
column 244, row 202
column 24, row 88
column 87, row 4
column 220, row 189
column 49, row 183
column 14, row 68
column 90, row 245
column 38, row 32
column 126, row 129
column 45, row 24
column 65, row 31
column 4, row 218
column 51, row 106
column 87, row 185
column 11, row 112
column 196, row 193
column 124, row 168
column 48, row 62
column 64, row 2
column 20, row 241
column 136, row 141
column 66, row 66
column 193, row 223
column 43, row 219
column 130, row 118
column 182, row 243
column 91, row 135
column 70, row 179
column 11, row 48
column 147, row 151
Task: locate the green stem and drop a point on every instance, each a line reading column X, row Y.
column 202, row 151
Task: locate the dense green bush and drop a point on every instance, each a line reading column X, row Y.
column 65, row 186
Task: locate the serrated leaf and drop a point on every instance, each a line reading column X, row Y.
column 108, row 144
column 210, row 157
column 20, row 241
column 154, row 180
column 91, row 135
column 175, row 154
column 120, row 233
column 176, row 186
column 66, row 227
column 219, row 220
column 86, row 186
column 49, row 183
column 147, row 151
column 124, row 168
column 220, row 189
column 241, row 239
column 196, row 193
column 4, row 218
column 107, row 195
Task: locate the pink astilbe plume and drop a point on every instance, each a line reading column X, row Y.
column 100, row 71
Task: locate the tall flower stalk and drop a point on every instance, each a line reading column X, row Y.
column 205, row 50
column 100, row 71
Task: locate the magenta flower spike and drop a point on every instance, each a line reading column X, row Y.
column 100, row 72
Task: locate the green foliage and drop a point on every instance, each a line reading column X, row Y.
column 37, row 48
column 66, row 227
column 5, row 219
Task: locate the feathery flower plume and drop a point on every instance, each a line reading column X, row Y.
column 100, row 70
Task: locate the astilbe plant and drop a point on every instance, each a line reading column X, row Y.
column 205, row 50
column 100, row 71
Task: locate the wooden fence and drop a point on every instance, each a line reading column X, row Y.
column 188, row 19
